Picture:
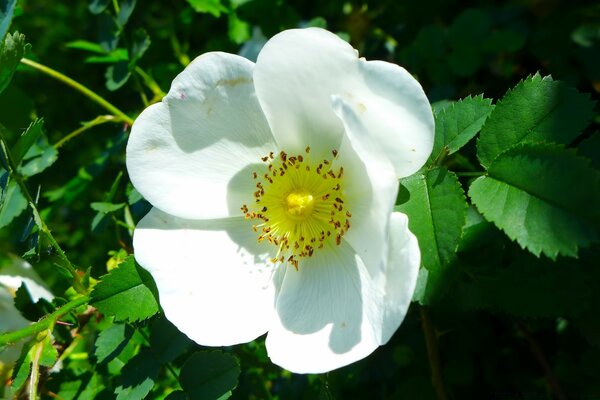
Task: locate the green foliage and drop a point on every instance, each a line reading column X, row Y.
column 128, row 293
column 210, row 375
column 499, row 274
column 524, row 195
column 536, row 110
column 436, row 210
column 12, row 50
column 458, row 123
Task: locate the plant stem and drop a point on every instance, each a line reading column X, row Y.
column 45, row 323
column 537, row 352
column 14, row 174
column 433, row 353
column 102, row 119
column 80, row 88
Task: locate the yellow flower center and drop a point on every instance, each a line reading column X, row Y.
column 299, row 205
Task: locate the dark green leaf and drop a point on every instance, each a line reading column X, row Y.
column 11, row 52
column 125, row 9
column 166, row 342
column 39, row 157
column 458, row 123
column 536, row 110
column 97, row 6
column 7, row 9
column 138, row 376
column 209, row 375
column 127, row 292
column 111, row 342
column 590, row 148
column 27, row 140
column 141, row 43
column 177, row 395
column 13, row 205
column 543, row 196
column 117, row 75
column 436, row 212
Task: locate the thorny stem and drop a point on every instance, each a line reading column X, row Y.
column 36, row 215
column 45, row 323
column 537, row 352
column 80, row 88
column 433, row 353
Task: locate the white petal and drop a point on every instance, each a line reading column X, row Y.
column 404, row 259
column 394, row 108
column 296, row 73
column 299, row 70
column 192, row 155
column 370, row 192
column 329, row 314
column 214, row 280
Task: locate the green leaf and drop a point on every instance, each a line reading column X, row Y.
column 536, row 110
column 590, row 148
column 125, row 10
column 138, row 376
column 117, row 75
column 459, row 122
column 543, row 196
column 39, row 157
column 98, row 6
column 27, row 139
column 106, row 207
column 128, row 293
column 11, row 51
column 13, row 205
column 166, row 342
column 141, row 43
column 213, row 7
column 85, row 46
column 7, row 10
column 436, row 212
column 22, row 366
column 209, row 374
column 111, row 342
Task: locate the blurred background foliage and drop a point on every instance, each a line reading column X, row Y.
column 509, row 325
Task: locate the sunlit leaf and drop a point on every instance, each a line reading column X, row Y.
column 536, row 110
column 127, row 293
column 543, row 196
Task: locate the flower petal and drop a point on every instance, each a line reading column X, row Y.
column 329, row 314
column 299, row 70
column 404, row 258
column 192, row 154
column 214, row 281
column 371, row 190
column 296, row 73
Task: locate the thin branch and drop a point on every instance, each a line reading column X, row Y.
column 433, row 353
column 79, row 87
column 539, row 356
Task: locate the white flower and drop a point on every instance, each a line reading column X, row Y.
column 273, row 186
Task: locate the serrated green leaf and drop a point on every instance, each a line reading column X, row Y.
column 458, row 123
column 166, row 342
column 141, row 43
column 7, row 10
column 138, row 376
column 13, row 205
column 214, row 7
column 39, row 157
column 126, row 8
column 127, row 293
column 111, row 342
column 436, row 212
column 49, row 354
column 543, row 196
column 209, row 375
column 536, row 110
column 22, row 366
column 11, row 52
column 26, row 140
